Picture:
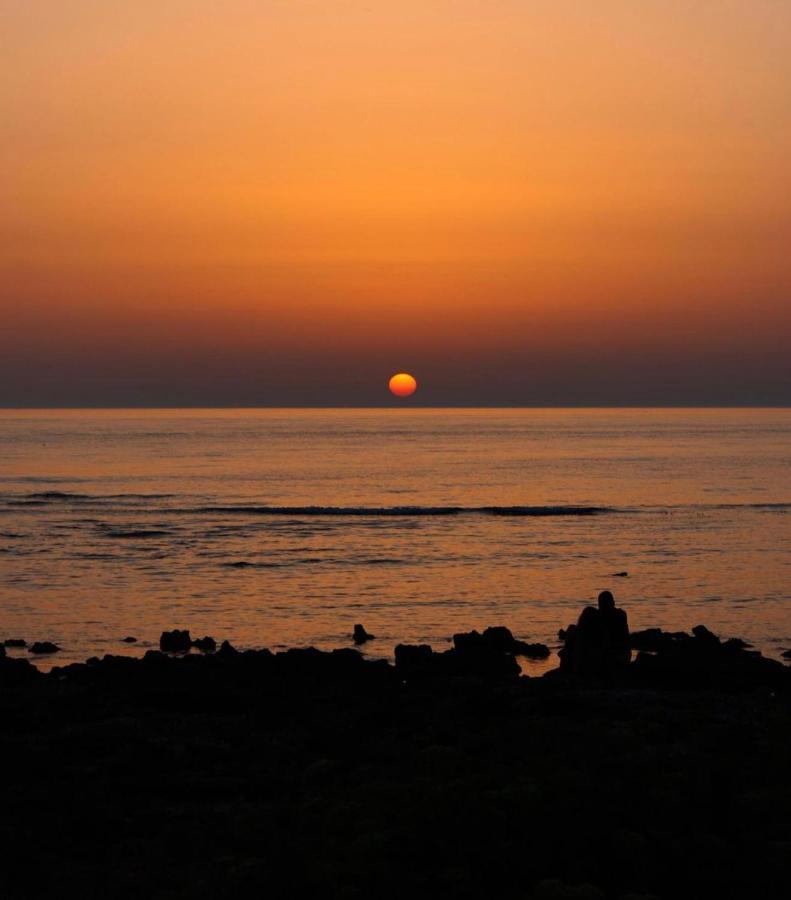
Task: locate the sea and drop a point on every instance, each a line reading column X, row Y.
column 286, row 527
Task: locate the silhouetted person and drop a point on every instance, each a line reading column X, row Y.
column 598, row 645
column 615, row 629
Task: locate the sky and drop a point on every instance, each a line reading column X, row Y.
column 283, row 202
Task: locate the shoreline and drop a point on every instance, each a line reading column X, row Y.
column 446, row 775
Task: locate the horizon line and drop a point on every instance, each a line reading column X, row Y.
column 396, row 406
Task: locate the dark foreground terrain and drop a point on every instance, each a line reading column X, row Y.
column 448, row 776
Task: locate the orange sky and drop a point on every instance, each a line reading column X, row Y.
column 266, row 201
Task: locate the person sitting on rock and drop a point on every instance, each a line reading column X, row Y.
column 598, row 645
column 615, row 630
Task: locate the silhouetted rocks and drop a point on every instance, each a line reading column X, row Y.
column 413, row 659
column 313, row 773
column 42, row 647
column 175, row 641
column 786, row 654
column 129, row 640
column 360, row 635
column 15, row 642
column 205, row 644
column 679, row 661
column 498, row 639
column 17, row 672
column 654, row 639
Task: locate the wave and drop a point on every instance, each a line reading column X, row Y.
column 139, row 500
column 392, row 511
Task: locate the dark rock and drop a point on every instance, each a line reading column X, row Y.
column 41, row 647
column 497, row 639
column 735, row 644
column 15, row 642
column 470, row 641
column 360, row 635
column 531, row 651
column 17, row 672
column 2, row 651
column 205, row 644
column 175, row 641
column 227, row 649
column 620, row 575
column 411, row 659
column 129, row 640
column 705, row 636
column 653, row 640
column 704, row 661
column 786, row 654
column 555, row 889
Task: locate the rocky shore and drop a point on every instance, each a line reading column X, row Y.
column 202, row 771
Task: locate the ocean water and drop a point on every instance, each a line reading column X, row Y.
column 286, row 527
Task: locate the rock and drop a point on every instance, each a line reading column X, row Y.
column 227, row 649
column 360, row 635
column 705, row 636
column 2, row 650
column 15, row 642
column 704, row 661
column 620, row 575
column 411, row 659
column 205, row 644
column 652, row 640
column 531, row 651
column 555, row 889
column 40, row 647
column 786, row 654
column 17, row 672
column 175, row 641
column 497, row 639
column 735, row 644
column 129, row 640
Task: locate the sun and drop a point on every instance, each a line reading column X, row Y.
column 403, row 385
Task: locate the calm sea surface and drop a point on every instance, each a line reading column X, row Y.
column 285, row 527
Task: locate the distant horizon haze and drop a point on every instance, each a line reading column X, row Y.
column 284, row 202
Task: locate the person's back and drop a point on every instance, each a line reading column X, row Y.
column 598, row 644
column 615, row 629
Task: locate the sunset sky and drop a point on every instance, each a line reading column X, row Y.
column 241, row 202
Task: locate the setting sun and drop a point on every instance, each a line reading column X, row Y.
column 403, row 385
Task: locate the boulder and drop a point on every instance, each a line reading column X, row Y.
column 360, row 635
column 129, row 640
column 205, row 644
column 41, row 647
column 497, row 639
column 15, row 642
column 411, row 659
column 175, row 641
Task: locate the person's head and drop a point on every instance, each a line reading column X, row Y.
column 606, row 600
